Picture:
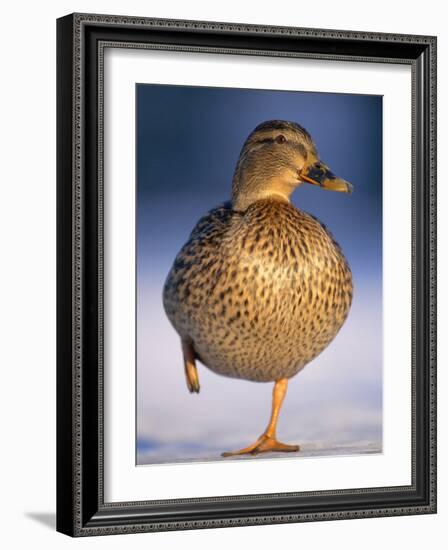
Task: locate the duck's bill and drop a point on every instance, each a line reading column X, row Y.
column 319, row 174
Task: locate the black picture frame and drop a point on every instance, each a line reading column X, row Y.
column 81, row 510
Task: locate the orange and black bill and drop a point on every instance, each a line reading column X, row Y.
column 319, row 174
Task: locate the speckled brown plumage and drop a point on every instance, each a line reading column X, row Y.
column 259, row 293
column 261, row 288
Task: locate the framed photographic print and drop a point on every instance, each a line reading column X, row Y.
column 246, row 274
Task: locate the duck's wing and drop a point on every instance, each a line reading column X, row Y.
column 196, row 259
column 214, row 223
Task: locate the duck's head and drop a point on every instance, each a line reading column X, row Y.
column 277, row 157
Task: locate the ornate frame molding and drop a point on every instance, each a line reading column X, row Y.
column 81, row 42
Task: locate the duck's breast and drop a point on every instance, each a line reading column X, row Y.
column 260, row 294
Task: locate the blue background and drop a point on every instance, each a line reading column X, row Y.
column 188, row 142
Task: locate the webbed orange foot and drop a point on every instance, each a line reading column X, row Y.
column 267, row 443
column 264, row 444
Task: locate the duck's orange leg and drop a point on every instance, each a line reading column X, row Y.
column 267, row 442
column 191, row 372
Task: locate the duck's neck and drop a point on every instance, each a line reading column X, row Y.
column 242, row 201
column 253, row 187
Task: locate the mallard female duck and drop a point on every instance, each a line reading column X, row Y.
column 261, row 288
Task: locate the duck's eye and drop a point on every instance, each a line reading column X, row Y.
column 280, row 139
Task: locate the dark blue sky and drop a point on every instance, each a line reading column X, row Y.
column 189, row 139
